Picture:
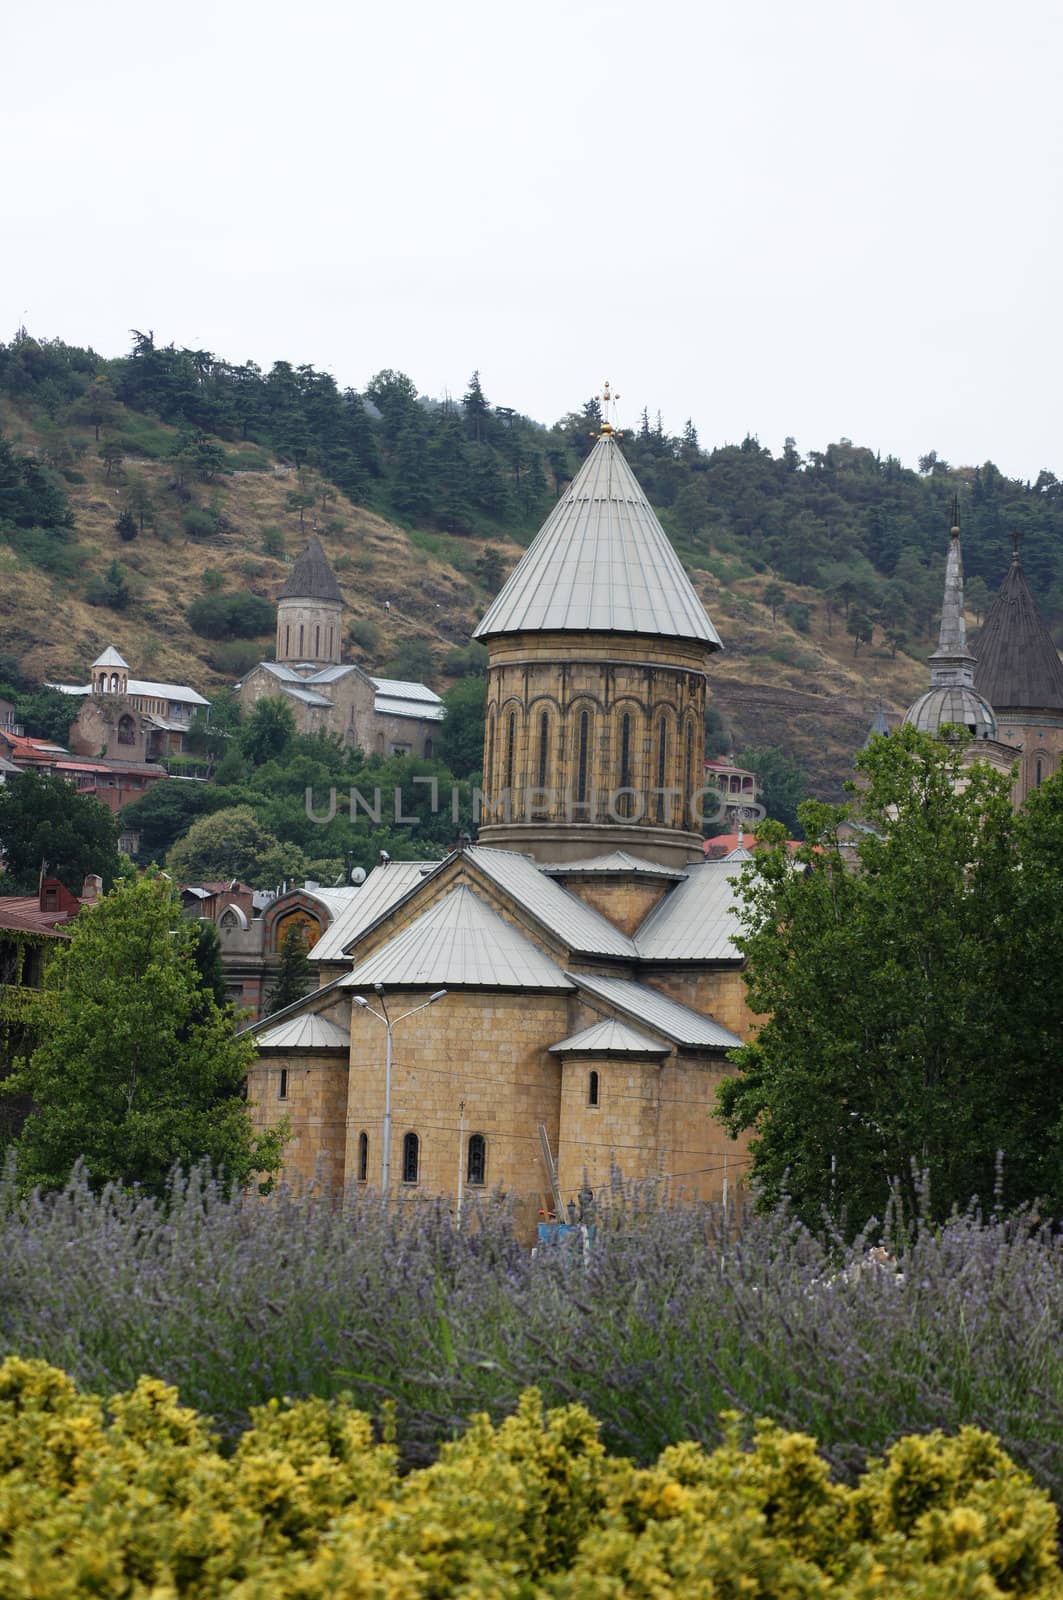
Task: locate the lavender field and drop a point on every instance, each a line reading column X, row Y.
column 674, row 1316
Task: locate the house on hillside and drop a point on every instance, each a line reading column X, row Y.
column 130, row 719
column 379, row 716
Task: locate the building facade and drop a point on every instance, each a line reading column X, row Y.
column 585, row 946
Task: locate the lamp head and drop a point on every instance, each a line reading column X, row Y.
column 360, row 1000
column 379, row 987
column 432, row 998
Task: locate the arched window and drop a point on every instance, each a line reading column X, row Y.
column 282, row 1093
column 317, row 642
column 489, row 768
column 592, row 1090
column 689, row 771
column 363, row 1157
column 584, row 741
column 427, row 749
column 127, row 730
column 625, row 764
column 511, row 741
column 287, row 639
column 476, row 1166
column 662, row 764
column 544, row 748
column 411, row 1158
column 1037, row 780
column 330, row 644
column 114, row 683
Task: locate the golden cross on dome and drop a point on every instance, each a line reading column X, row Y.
column 608, row 401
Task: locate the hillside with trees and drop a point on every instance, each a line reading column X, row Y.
column 154, row 499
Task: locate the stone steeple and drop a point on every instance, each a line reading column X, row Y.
column 1018, row 665
column 310, row 612
column 597, row 653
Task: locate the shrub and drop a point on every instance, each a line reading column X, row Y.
column 273, row 543
column 310, row 1506
column 200, row 522
column 234, row 657
column 365, row 634
column 240, row 615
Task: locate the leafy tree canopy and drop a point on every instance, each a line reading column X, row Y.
column 885, row 971
column 44, row 821
column 232, row 843
column 461, row 735
column 140, row 1069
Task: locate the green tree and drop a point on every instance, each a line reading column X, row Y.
column 773, row 596
column 268, row 732
column 461, row 736
column 861, row 628
column 47, row 713
column 233, row 843
column 876, row 966
column 163, row 813
column 140, row 1069
column 977, row 597
column 45, row 824
column 491, row 569
column 781, row 784
column 294, row 976
column 111, row 590
column 138, row 501
column 112, row 454
column 413, row 662
column 125, row 526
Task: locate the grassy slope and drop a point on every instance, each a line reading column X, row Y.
column 807, row 693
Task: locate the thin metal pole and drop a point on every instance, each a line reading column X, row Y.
column 461, row 1163
column 385, row 1175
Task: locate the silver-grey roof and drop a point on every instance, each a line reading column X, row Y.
column 306, row 696
column 578, row 926
column 402, row 689
column 601, row 563
column 167, row 691
column 697, row 920
column 111, row 658
column 609, row 1035
column 311, row 578
column 459, row 941
column 380, row 891
column 618, row 861
column 331, row 674
column 657, row 1011
column 422, row 710
column 956, row 705
column 305, row 1032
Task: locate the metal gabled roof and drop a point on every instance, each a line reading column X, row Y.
column 306, row 1032
column 459, row 942
column 401, row 689
column 167, row 691
column 306, row 696
column 601, row 563
column 311, row 578
column 419, row 710
column 617, row 861
column 1018, row 665
column 111, row 658
column 657, row 1011
column 383, row 888
column 609, row 1036
column 698, row 919
column 578, row 926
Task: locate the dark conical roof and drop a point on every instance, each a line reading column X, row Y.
column 311, row 578
column 1018, row 665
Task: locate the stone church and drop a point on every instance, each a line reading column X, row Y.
column 1009, row 696
column 556, row 1001
column 381, row 716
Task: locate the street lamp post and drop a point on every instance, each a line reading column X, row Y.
column 390, row 1024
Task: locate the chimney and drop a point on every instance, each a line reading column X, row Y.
column 91, row 889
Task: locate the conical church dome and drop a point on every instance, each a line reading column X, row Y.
column 311, row 578
column 1018, row 665
column 601, row 563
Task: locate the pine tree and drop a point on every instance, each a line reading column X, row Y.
column 294, row 977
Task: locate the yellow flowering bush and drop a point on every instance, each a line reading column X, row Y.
column 132, row 1500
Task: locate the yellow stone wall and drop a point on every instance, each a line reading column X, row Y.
column 315, row 1106
column 625, row 903
column 309, row 630
column 717, row 992
column 488, row 1050
column 1040, row 739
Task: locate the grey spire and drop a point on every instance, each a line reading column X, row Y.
column 952, row 700
column 952, row 662
column 601, row 563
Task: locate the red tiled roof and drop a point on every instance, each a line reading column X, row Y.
column 22, row 914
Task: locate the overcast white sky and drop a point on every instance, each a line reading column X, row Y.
column 822, row 218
